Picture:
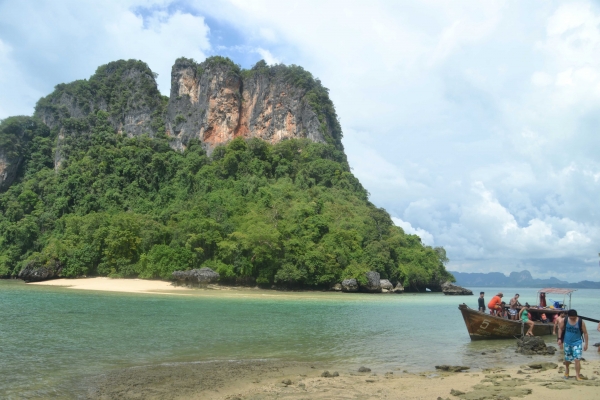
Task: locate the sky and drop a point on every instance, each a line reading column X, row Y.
column 475, row 124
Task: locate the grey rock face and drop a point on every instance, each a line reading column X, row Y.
column 193, row 277
column 450, row 289
column 337, row 287
column 373, row 284
column 214, row 103
column 385, row 284
column 349, row 285
column 399, row 288
column 530, row 345
column 33, row 272
column 8, row 169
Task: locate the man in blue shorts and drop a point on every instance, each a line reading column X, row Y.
column 570, row 335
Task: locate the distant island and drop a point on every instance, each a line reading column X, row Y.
column 516, row 279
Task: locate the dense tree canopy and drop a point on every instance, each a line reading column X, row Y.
column 285, row 214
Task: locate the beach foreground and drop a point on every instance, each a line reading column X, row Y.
column 254, row 380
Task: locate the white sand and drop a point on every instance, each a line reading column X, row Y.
column 116, row 285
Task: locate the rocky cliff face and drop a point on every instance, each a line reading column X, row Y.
column 215, row 102
column 8, row 169
column 126, row 90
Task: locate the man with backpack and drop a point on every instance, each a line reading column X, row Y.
column 570, row 337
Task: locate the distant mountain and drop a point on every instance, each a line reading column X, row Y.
column 516, row 279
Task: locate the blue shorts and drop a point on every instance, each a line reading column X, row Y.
column 572, row 352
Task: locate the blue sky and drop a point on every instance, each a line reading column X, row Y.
column 475, row 124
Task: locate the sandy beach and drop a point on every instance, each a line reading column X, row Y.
column 266, row 380
column 115, row 285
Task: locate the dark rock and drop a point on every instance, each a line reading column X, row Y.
column 349, row 285
column 195, row 277
column 364, row 369
column 373, row 284
column 456, row 392
column 385, row 284
column 543, row 365
column 326, row 374
column 452, row 368
column 287, row 382
column 451, row 289
column 34, row 271
column 530, row 345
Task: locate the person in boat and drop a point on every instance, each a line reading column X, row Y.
column 559, row 321
column 524, row 317
column 572, row 334
column 544, row 319
column 502, row 313
column 481, row 302
column 494, row 304
column 514, row 303
column 543, row 300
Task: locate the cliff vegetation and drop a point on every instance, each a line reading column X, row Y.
column 288, row 213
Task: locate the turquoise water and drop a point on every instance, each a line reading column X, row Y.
column 51, row 337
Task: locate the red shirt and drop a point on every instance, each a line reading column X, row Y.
column 496, row 301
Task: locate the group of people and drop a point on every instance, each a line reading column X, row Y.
column 572, row 332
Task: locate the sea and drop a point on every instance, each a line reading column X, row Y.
column 51, row 338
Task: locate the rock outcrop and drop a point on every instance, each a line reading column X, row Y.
column 530, row 345
column 373, row 284
column 35, row 272
column 349, row 285
column 451, row 289
column 386, row 285
column 215, row 102
column 195, row 277
column 399, row 288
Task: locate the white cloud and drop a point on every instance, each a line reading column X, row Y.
column 426, row 237
column 267, row 56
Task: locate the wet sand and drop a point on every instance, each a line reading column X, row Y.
column 266, row 380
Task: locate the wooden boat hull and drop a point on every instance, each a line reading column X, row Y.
column 483, row 326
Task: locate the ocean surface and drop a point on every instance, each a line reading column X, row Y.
column 51, row 338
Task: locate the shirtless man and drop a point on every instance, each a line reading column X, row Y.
column 514, row 303
column 558, row 322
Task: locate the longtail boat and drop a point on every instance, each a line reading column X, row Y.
column 482, row 326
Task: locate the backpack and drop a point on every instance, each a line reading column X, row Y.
column 564, row 328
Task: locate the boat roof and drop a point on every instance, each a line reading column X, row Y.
column 556, row 290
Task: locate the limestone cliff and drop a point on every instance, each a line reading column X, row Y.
column 126, row 90
column 215, row 102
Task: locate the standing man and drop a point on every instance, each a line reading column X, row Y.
column 514, row 303
column 570, row 336
column 481, row 302
column 494, row 304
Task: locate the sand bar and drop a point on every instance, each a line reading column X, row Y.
column 115, row 285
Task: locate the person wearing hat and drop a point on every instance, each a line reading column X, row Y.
column 571, row 336
column 495, row 305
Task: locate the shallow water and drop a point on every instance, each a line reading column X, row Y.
column 50, row 337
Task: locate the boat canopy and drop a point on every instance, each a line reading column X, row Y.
column 556, row 290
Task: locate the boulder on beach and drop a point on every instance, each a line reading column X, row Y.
column 399, row 288
column 452, row 368
column 349, row 285
column 530, row 345
column 373, row 284
column 385, row 284
column 337, row 287
column 451, row 289
column 193, row 277
column 34, row 271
